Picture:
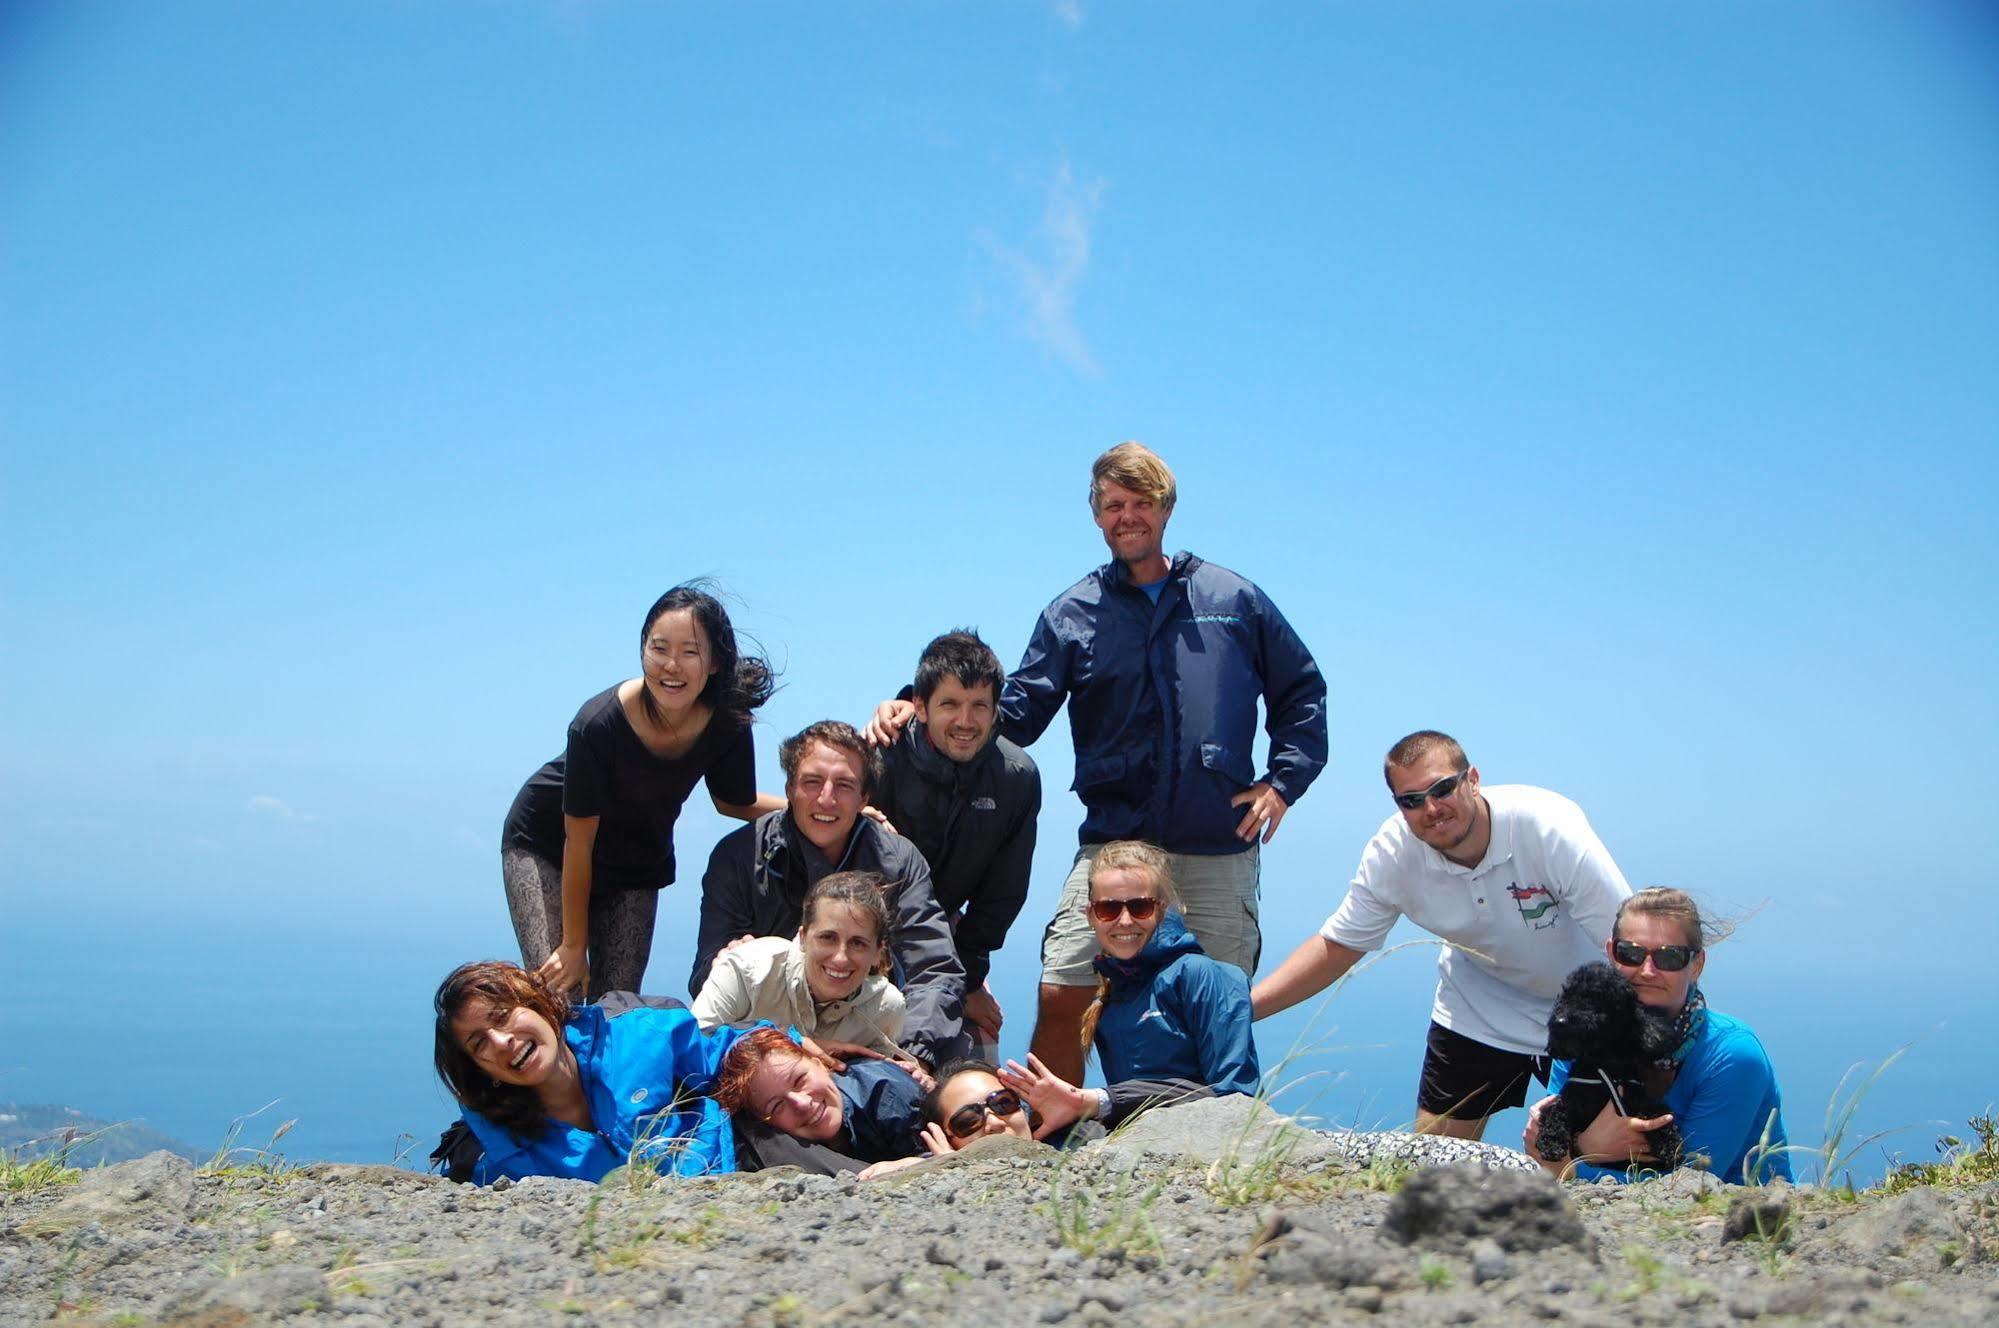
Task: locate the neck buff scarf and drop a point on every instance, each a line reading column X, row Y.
column 1132, row 970
column 1687, row 1029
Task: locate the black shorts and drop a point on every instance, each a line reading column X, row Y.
column 1469, row 1080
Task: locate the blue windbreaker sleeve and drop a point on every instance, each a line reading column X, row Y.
column 498, row 1150
column 691, row 1060
column 1214, row 1003
column 674, row 1042
column 1294, row 702
column 1035, row 688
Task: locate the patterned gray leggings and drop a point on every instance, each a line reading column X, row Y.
column 620, row 921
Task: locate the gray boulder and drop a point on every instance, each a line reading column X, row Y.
column 152, row 1193
column 1447, row 1208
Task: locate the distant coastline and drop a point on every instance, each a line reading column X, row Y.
column 33, row 1130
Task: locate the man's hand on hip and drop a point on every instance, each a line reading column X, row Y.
column 1266, row 810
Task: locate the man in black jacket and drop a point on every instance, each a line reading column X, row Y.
column 757, row 878
column 968, row 799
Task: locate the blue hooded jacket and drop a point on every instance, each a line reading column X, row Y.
column 1162, row 702
column 645, row 1075
column 1174, row 1013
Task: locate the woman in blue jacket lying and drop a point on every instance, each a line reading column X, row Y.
column 1163, row 1009
column 554, row 1090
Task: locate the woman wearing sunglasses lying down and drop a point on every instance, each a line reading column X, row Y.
column 974, row 1099
column 1717, row 1083
column 1163, row 1009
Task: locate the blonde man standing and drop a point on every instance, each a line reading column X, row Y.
column 1162, row 661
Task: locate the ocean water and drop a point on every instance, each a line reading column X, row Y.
column 190, row 1022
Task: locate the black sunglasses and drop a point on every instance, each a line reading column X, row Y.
column 1106, row 910
column 1665, row 958
column 1440, row 790
column 967, row 1119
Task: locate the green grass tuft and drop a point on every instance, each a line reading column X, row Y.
column 1093, row 1219
column 1960, row 1165
column 22, row 1174
column 234, row 1161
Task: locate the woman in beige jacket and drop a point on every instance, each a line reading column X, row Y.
column 827, row 982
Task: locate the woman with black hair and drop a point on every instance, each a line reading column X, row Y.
column 588, row 843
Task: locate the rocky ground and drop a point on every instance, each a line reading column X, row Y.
column 1200, row 1214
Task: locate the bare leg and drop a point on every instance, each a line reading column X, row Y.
column 1449, row 1126
column 1058, row 1029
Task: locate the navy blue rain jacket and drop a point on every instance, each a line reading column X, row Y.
column 1173, row 1013
column 1162, row 702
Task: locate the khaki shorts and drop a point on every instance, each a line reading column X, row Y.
column 1218, row 899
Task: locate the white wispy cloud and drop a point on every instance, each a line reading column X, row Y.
column 263, row 804
column 1070, row 12
column 1046, row 281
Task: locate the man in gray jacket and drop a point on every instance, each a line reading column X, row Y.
column 757, row 878
column 968, row 799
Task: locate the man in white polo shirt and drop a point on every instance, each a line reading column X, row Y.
column 1516, row 882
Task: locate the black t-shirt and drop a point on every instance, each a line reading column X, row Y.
column 608, row 773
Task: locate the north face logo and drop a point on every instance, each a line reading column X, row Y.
column 984, row 805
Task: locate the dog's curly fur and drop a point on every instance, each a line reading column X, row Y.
column 1601, row 1028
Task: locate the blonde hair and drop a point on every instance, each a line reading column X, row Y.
column 1126, row 855
column 1136, row 467
column 1664, row 902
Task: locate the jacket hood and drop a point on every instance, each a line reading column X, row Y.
column 789, row 859
column 1170, row 940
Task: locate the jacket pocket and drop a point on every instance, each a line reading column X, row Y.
column 1228, row 763
column 1101, row 774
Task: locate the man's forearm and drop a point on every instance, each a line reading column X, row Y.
column 1309, row 970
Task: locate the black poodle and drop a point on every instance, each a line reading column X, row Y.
column 1610, row 1040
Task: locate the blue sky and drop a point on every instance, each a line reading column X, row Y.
column 1609, row 385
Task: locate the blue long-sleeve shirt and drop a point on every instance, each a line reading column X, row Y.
column 1726, row 1103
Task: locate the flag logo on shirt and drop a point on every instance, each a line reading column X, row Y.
column 1537, row 907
